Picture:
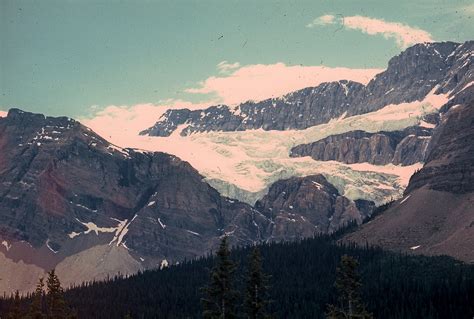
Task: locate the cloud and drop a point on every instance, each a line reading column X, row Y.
column 322, row 20
column 468, row 9
column 225, row 66
column 403, row 34
column 3, row 113
column 121, row 124
column 261, row 81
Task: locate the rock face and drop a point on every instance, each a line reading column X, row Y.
column 436, row 215
column 442, row 67
column 71, row 200
column 64, row 190
column 405, row 147
column 450, row 161
column 303, row 206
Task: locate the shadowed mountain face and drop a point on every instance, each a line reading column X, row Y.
column 57, row 176
column 450, row 162
column 64, row 190
column 405, row 147
column 303, row 206
column 71, row 200
column 436, row 215
column 410, row 76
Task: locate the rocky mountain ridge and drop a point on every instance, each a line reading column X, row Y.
column 436, row 214
column 404, row 147
column 410, row 76
column 300, row 205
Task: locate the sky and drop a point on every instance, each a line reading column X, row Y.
column 88, row 59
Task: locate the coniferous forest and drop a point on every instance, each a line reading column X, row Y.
column 300, row 282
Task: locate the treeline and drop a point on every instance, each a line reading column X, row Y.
column 301, row 285
column 45, row 303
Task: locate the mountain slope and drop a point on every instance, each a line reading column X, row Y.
column 253, row 142
column 409, row 77
column 303, row 206
column 411, row 286
column 436, row 215
column 64, row 190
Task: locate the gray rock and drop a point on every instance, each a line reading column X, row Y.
column 450, row 160
column 404, row 147
column 304, row 206
column 56, row 175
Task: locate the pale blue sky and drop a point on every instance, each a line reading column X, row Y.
column 62, row 57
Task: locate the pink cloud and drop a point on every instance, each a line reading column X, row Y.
column 225, row 66
column 403, row 34
column 259, row 81
column 118, row 123
column 3, row 113
column 322, row 20
column 121, row 124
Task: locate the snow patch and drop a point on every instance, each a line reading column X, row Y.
column 119, row 231
column 164, row 264
column 161, row 223
column 93, row 227
column 73, row 234
column 415, row 247
column 405, row 199
column 6, row 244
column 50, row 248
column 426, row 124
column 317, row 185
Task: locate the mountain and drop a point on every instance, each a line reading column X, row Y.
column 71, row 200
column 405, row 147
column 367, row 140
column 299, row 206
column 410, row 76
column 436, row 214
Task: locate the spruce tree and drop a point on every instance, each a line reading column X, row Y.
column 348, row 285
column 220, row 296
column 16, row 311
column 55, row 298
column 256, row 294
column 36, row 307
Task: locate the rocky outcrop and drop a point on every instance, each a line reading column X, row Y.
column 404, row 147
column 410, row 76
column 450, row 161
column 303, row 206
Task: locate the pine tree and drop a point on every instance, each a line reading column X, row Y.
column 36, row 307
column 55, row 298
column 16, row 311
column 348, row 285
column 220, row 297
column 256, row 297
